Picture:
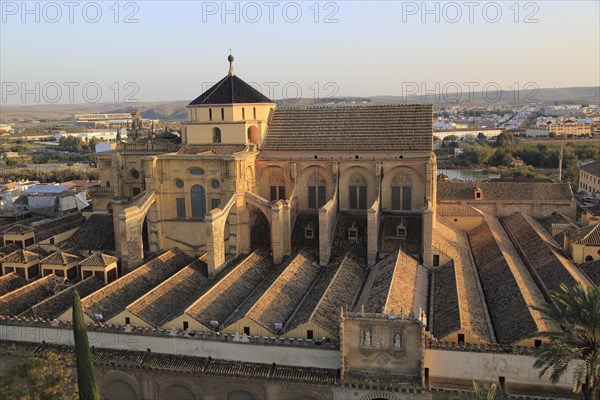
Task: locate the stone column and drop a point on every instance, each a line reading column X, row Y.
column 372, row 234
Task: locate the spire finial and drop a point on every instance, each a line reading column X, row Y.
column 230, row 59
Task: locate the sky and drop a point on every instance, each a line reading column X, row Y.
column 108, row 51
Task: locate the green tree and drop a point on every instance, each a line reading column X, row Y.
column 481, row 393
column 507, row 140
column 577, row 313
column 40, row 379
column 86, row 379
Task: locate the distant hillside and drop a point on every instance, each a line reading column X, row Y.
column 175, row 110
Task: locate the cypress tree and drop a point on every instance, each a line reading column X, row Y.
column 86, row 379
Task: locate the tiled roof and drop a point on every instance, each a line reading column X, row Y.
column 446, row 309
column 9, row 248
column 453, row 242
column 507, row 191
column 223, row 298
column 405, row 127
column 397, row 283
column 21, row 256
column 220, row 149
column 18, row 229
column 389, row 241
column 98, row 260
column 19, row 300
column 55, row 226
column 588, row 235
column 60, row 258
column 593, row 210
column 174, row 295
column 96, row 234
column 56, row 305
column 112, row 299
column 557, row 218
column 592, row 168
column 452, row 210
column 342, row 244
column 541, row 254
column 277, row 303
column 509, row 311
column 592, row 270
column 10, row 282
column 230, row 90
column 335, row 288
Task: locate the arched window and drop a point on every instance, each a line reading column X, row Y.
column 253, row 135
column 198, row 201
column 316, row 192
column 216, row 135
column 401, row 193
column 357, row 189
column 107, row 184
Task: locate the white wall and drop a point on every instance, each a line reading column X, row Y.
column 286, row 355
column 488, row 367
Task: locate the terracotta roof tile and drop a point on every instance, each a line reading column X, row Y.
column 57, row 304
column 405, row 127
column 60, row 258
column 173, row 296
column 10, row 282
column 21, row 256
column 19, row 300
column 219, row 302
column 279, row 301
column 112, row 299
column 507, row 191
column 98, row 260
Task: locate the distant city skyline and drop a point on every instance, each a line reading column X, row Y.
column 176, row 50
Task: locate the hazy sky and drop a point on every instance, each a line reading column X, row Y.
column 346, row 48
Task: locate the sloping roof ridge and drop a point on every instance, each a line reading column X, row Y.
column 401, row 253
column 347, row 256
column 213, row 286
column 349, row 106
column 215, row 87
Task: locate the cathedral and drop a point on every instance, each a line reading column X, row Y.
column 297, row 252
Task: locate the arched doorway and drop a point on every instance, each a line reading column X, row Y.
column 260, row 234
column 253, row 134
column 120, row 390
column 198, row 196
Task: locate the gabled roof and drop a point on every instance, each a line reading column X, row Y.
column 18, row 229
column 21, row 256
column 510, row 311
column 60, row 258
column 405, row 127
column 397, row 283
column 10, row 282
column 173, row 296
column 592, row 168
column 96, row 233
column 588, row 235
column 18, row 301
column 113, row 298
column 507, row 191
column 56, row 305
column 98, row 260
column 222, row 299
column 230, row 90
column 278, row 302
column 333, row 289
